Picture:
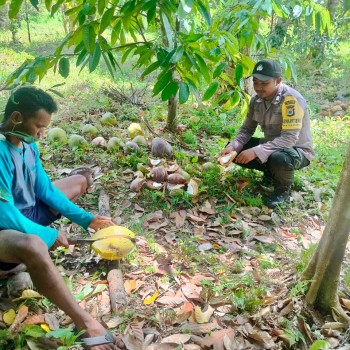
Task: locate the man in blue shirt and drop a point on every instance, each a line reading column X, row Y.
column 30, row 202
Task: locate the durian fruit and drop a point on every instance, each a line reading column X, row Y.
column 227, row 159
column 134, row 130
column 89, row 130
column 57, row 134
column 113, row 243
column 108, row 119
column 161, row 148
column 131, row 147
column 77, row 141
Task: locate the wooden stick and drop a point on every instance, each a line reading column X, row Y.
column 117, row 294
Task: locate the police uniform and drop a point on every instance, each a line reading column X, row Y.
column 287, row 143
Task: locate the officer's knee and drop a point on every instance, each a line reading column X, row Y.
column 279, row 160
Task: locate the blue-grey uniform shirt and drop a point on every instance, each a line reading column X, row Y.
column 285, row 122
column 22, row 180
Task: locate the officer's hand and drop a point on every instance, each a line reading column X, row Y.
column 246, row 156
column 227, row 150
column 61, row 241
column 100, row 221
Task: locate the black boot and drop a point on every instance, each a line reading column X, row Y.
column 278, row 197
column 267, row 179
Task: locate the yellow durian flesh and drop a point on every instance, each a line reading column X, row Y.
column 113, row 248
column 113, row 231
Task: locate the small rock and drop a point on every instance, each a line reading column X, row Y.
column 18, row 283
column 336, row 108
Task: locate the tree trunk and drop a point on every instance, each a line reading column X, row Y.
column 172, row 111
column 27, row 21
column 324, row 268
column 331, row 6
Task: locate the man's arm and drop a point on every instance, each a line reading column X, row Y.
column 10, row 216
column 245, row 132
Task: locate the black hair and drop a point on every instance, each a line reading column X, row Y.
column 28, row 100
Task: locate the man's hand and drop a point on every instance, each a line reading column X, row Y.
column 61, row 241
column 246, row 156
column 99, row 222
column 227, row 150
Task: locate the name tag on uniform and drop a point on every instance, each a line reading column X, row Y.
column 292, row 114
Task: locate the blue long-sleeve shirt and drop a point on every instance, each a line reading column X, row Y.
column 22, row 180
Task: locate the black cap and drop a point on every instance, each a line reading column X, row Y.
column 267, row 69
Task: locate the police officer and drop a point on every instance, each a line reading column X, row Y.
column 283, row 116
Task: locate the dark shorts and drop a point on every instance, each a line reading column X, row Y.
column 40, row 214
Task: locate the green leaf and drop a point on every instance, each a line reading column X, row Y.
column 205, row 12
column 94, row 59
column 163, row 81
column 55, row 7
column 320, row 345
column 35, row 3
column 238, row 73
column 192, row 38
column 34, row 331
column 184, row 92
column 48, row 4
column 2, row 2
column 187, row 5
column 177, row 55
column 235, row 99
column 108, row 64
column 203, row 68
column 318, row 22
column 63, row 67
column 81, row 57
column 101, row 6
column 89, row 38
column 56, row 92
column 219, row 69
column 211, row 90
column 150, row 68
column 346, row 5
column 106, row 19
column 225, row 96
column 15, row 5
column 151, row 12
column 170, row 90
column 168, row 30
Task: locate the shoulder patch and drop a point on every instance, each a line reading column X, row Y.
column 292, row 114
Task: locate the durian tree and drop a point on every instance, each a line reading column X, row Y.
column 323, row 270
column 186, row 45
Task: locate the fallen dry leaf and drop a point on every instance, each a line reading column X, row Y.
column 191, row 291
column 184, row 313
column 132, row 285
column 150, row 300
column 199, row 329
column 346, row 303
column 9, row 316
column 52, row 321
column 199, row 315
column 216, row 339
column 34, row 319
column 133, row 336
column 171, row 301
column 177, row 338
column 20, row 317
